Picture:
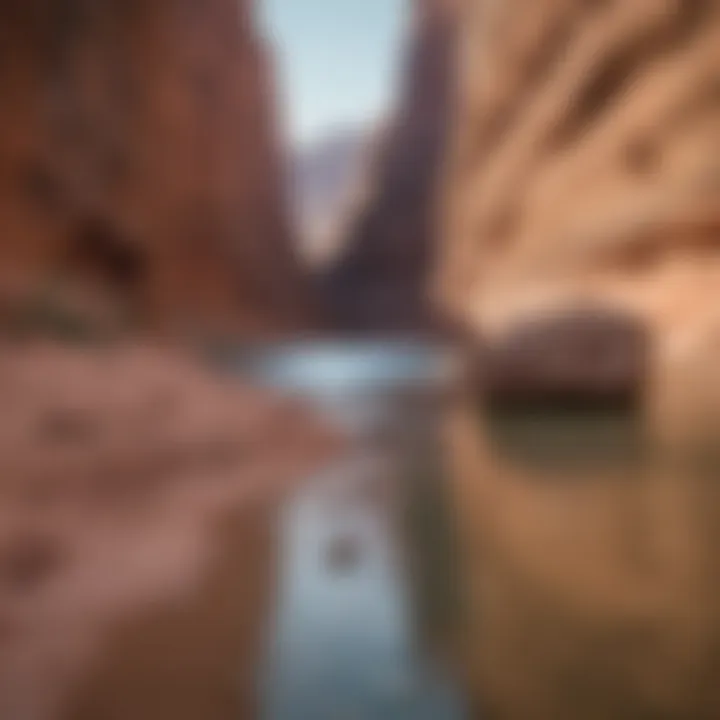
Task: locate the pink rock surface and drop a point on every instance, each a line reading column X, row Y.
column 136, row 532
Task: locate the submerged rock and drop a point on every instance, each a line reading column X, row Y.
column 343, row 554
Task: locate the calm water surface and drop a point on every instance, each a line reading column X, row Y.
column 592, row 569
column 566, row 567
column 365, row 547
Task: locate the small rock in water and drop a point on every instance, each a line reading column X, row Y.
column 343, row 553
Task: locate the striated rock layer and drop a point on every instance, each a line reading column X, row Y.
column 380, row 280
column 138, row 167
column 586, row 168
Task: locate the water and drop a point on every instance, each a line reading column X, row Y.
column 568, row 564
column 362, row 596
column 592, row 569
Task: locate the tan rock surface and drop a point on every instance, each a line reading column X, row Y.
column 586, row 167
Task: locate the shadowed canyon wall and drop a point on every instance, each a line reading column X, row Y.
column 379, row 282
column 139, row 174
column 586, row 169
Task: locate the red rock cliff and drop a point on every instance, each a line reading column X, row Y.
column 380, row 280
column 138, row 166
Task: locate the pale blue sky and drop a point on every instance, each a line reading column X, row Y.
column 337, row 60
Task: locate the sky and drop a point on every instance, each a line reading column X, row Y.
column 336, row 60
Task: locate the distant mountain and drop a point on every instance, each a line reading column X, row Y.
column 324, row 177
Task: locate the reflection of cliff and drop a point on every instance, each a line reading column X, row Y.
column 586, row 165
column 138, row 166
column 379, row 282
column 592, row 573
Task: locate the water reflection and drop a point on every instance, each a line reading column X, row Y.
column 566, row 443
column 584, row 582
column 592, row 569
column 345, row 640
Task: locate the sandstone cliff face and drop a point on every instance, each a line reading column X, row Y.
column 379, row 282
column 138, row 167
column 586, row 166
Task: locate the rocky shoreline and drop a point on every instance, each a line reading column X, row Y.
column 136, row 530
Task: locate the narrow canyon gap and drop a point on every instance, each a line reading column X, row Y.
column 379, row 282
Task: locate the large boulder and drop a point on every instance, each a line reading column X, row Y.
column 583, row 357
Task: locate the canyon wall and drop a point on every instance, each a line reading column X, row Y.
column 586, row 169
column 139, row 173
column 379, row 281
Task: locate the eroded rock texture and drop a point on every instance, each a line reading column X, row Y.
column 138, row 169
column 380, row 280
column 587, row 165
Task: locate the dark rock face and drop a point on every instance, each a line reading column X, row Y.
column 380, row 280
column 138, row 164
column 582, row 359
